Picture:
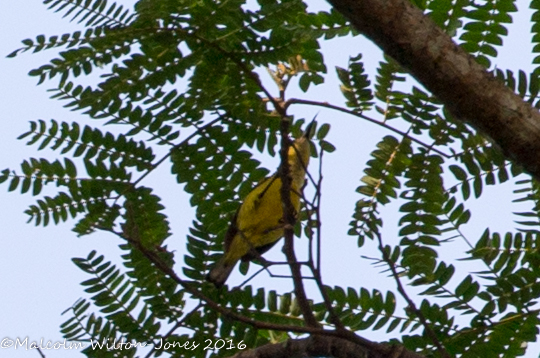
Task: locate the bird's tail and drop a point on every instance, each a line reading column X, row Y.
column 220, row 272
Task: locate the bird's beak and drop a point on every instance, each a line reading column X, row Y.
column 307, row 131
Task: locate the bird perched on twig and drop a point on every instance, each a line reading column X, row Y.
column 258, row 223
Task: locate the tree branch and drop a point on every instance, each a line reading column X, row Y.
column 319, row 346
column 314, row 346
column 471, row 94
column 289, row 219
column 376, row 349
column 369, row 119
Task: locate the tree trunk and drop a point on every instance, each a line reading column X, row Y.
column 471, row 94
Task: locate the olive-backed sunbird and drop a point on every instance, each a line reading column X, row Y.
column 258, row 223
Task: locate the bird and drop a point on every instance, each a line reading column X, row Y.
column 258, row 222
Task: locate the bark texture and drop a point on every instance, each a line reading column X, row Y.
column 471, row 94
column 323, row 346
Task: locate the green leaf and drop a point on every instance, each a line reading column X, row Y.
column 327, row 146
column 459, row 173
column 323, row 131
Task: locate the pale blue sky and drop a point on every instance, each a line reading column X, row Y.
column 37, row 277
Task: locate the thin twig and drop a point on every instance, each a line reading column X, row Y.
column 188, row 138
column 277, row 102
column 316, row 270
column 289, row 219
column 40, row 352
column 431, row 334
column 318, row 211
column 175, row 327
column 369, row 119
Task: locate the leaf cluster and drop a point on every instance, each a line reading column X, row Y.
column 181, row 87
